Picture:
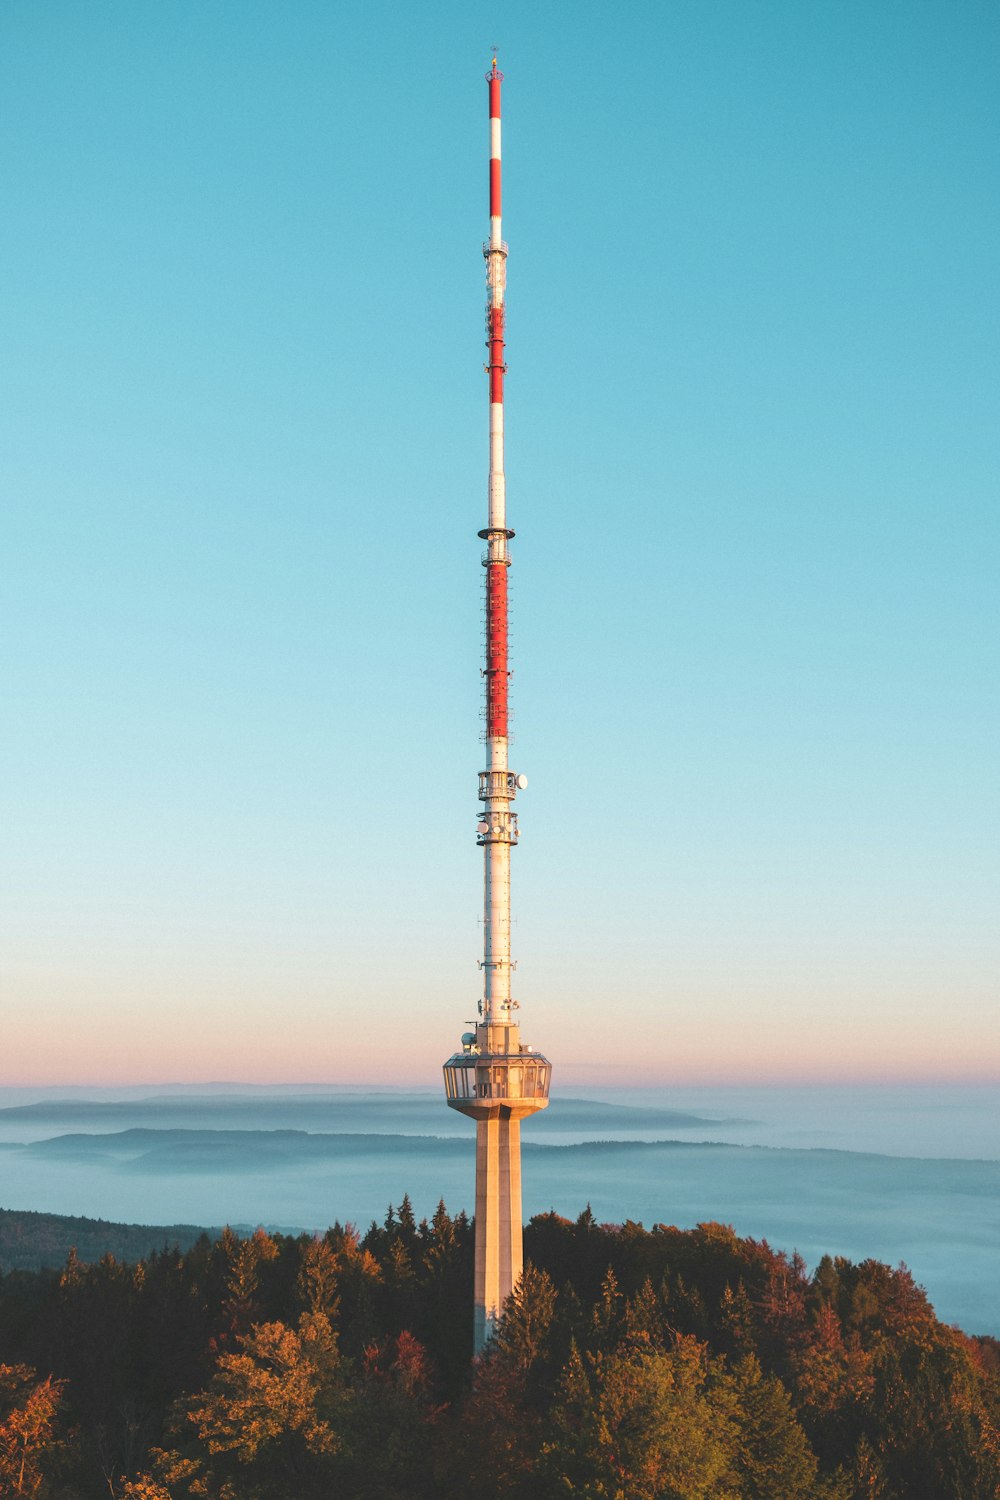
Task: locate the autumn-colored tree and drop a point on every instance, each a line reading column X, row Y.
column 832, row 1379
column 143, row 1487
column 28, row 1410
column 927, row 1420
column 393, row 1421
column 782, row 1304
column 495, row 1437
column 272, row 1409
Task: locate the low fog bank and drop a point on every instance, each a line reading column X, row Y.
column 567, row 1120
column 913, row 1120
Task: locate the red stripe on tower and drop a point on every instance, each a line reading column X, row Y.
column 496, row 650
column 496, row 354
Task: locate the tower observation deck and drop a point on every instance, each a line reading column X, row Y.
column 496, row 1078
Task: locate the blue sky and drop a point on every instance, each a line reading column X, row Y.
column 752, row 461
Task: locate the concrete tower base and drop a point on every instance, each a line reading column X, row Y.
column 499, row 1252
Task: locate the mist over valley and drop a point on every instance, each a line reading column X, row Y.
column 780, row 1164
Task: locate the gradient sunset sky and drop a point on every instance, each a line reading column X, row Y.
column 752, row 465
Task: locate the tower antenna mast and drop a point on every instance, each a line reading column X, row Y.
column 496, row 1078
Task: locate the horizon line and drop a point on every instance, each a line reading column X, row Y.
column 807, row 1080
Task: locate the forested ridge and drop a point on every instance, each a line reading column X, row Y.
column 30, row 1240
column 630, row 1363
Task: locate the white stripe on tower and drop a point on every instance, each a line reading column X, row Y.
column 496, row 277
column 495, row 80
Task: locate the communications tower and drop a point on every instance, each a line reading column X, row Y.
column 496, row 1078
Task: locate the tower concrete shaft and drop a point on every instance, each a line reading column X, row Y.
column 496, row 1078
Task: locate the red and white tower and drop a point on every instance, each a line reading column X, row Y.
column 496, row 1078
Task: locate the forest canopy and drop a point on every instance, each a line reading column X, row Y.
column 631, row 1363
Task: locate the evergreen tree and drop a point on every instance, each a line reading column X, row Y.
column 523, row 1332
column 773, row 1458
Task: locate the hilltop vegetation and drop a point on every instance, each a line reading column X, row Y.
column 631, row 1364
column 29, row 1241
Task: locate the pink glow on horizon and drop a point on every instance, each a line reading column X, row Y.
column 243, row 1035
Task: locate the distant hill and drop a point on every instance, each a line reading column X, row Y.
column 30, row 1241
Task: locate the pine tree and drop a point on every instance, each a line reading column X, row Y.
column 317, row 1279
column 605, row 1330
column 573, row 1457
column 643, row 1317
column 736, row 1320
column 773, row 1457
column 523, row 1333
